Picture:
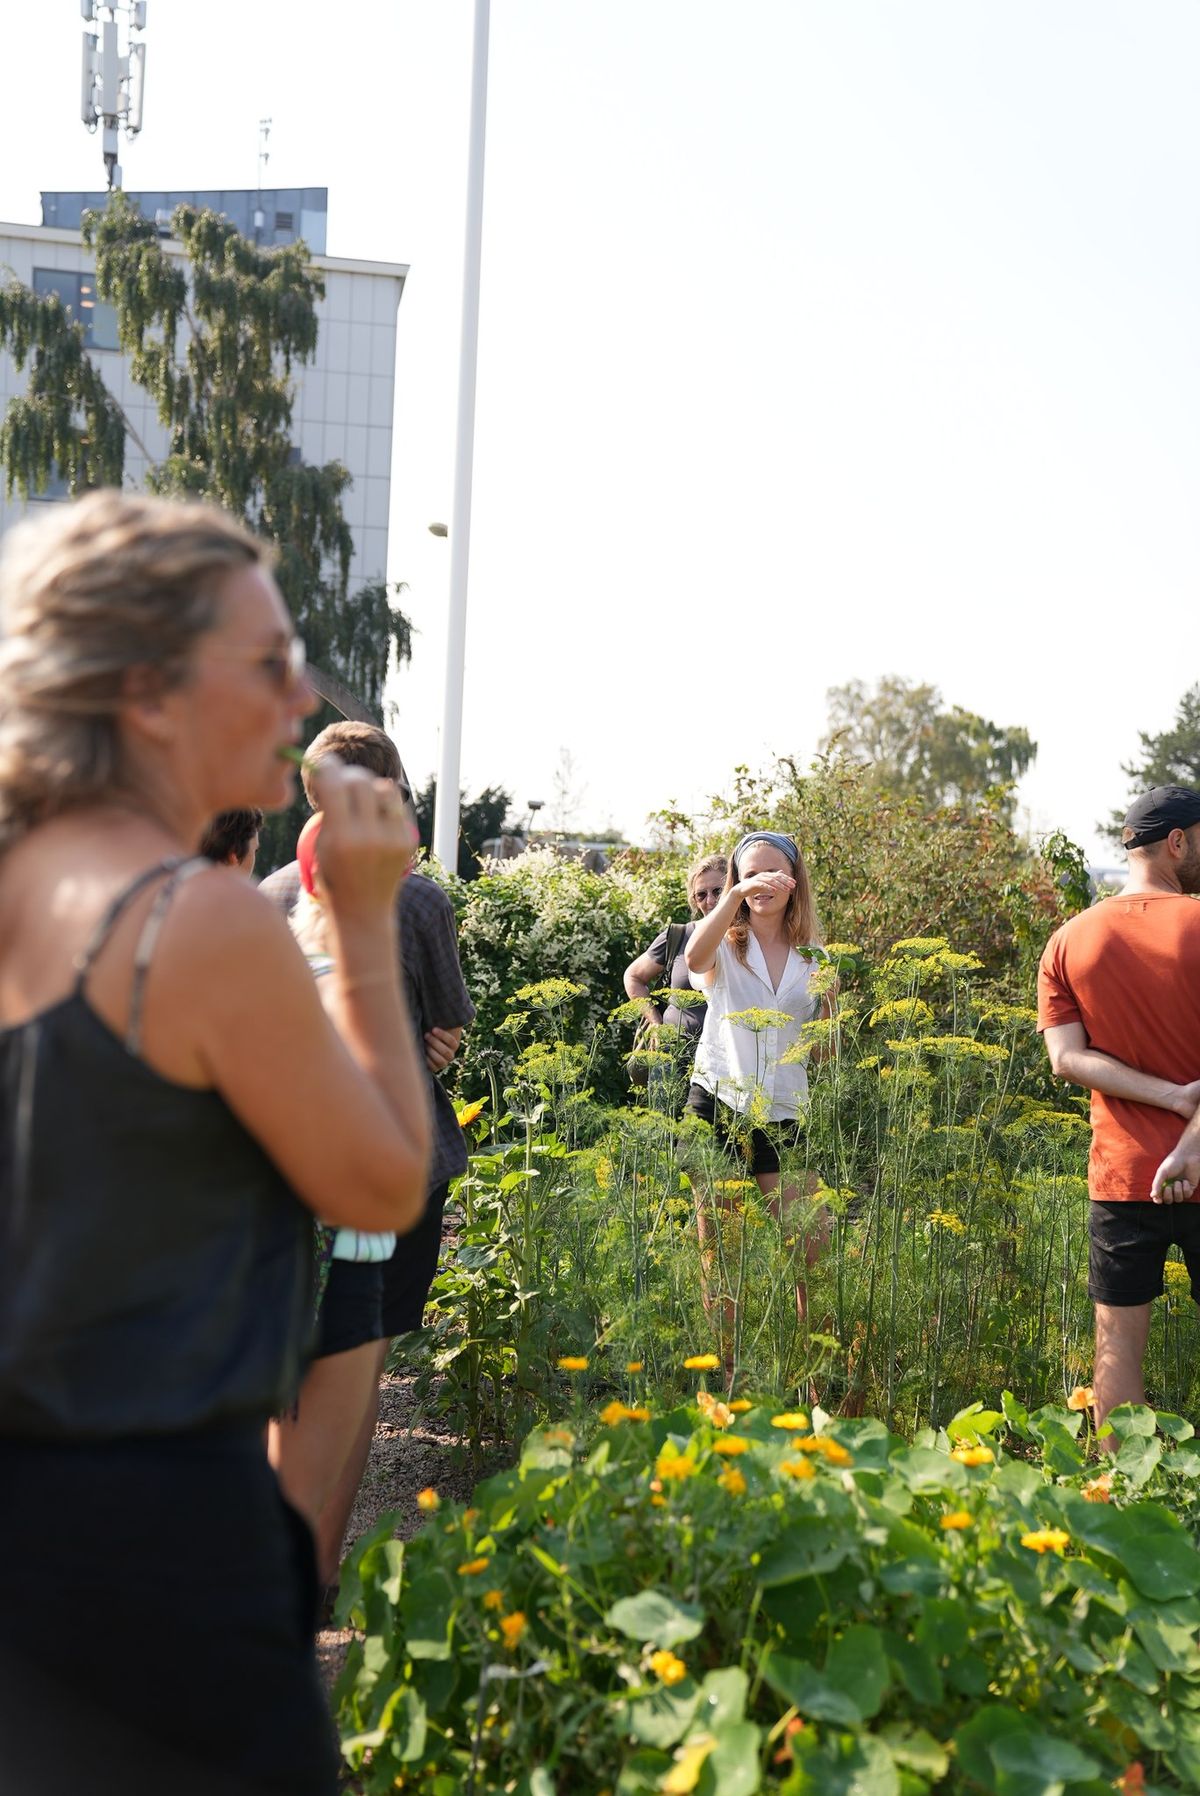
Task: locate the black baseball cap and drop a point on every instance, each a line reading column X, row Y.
column 1153, row 816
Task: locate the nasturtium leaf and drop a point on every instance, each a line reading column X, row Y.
column 1177, row 1427
column 1138, row 1456
column 427, row 1609
column 1131, row 1418
column 655, row 1619
column 916, row 1750
column 975, row 1738
column 856, row 1664
column 924, row 1470
column 808, row 1545
column 723, row 1698
column 663, row 1717
column 732, row 1768
column 810, row 1691
column 915, row 1665
column 1037, row 1755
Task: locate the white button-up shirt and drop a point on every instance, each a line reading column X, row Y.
column 736, row 1059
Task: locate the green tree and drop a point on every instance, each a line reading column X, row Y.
column 479, row 819
column 912, row 745
column 212, row 335
column 1171, row 758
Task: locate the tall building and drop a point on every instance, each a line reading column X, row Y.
column 344, row 398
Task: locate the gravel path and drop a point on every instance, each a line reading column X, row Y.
column 409, row 1451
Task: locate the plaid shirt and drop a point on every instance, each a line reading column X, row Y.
column 433, row 985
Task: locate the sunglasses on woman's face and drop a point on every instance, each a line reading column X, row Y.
column 708, row 892
column 285, row 666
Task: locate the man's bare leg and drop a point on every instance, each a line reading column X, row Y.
column 1122, row 1331
column 336, row 1510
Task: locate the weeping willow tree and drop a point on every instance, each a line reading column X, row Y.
column 213, row 337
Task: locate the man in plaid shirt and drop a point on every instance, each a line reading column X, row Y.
column 441, row 1008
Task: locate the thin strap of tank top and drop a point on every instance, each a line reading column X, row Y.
column 177, row 869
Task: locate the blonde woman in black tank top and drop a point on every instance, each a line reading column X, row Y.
column 175, row 1103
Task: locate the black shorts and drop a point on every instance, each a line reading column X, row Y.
column 760, row 1148
column 1127, row 1249
column 351, row 1311
column 409, row 1273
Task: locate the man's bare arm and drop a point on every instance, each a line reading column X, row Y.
column 1073, row 1059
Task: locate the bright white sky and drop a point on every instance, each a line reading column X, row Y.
column 819, row 341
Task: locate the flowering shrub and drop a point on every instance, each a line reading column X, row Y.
column 848, row 1615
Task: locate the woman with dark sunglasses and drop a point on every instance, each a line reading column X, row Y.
column 675, row 1027
column 174, row 1104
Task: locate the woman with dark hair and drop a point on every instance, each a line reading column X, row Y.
column 175, row 1102
column 745, row 957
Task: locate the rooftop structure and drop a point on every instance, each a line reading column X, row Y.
column 267, row 215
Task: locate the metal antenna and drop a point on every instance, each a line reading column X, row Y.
column 264, row 156
column 114, row 86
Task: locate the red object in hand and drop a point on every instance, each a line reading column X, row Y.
column 306, row 852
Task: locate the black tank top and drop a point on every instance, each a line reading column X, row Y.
column 155, row 1268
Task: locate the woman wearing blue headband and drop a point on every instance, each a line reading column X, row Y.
column 744, row 956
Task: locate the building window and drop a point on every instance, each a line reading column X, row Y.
column 284, row 221
column 78, row 294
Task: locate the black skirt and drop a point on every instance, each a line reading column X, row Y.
column 157, row 1604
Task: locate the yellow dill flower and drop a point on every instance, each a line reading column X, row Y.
column 740, row 1405
column 469, row 1567
column 493, row 1599
column 974, row 1455
column 1082, row 1397
column 1046, row 1540
column 572, row 1362
column 730, row 1445
column 794, row 1420
column 797, row 1468
column 671, row 1464
column 604, row 1174
column 1177, row 1278
column 428, row 1499
column 512, row 1627
column 733, row 1480
column 635, row 1365
column 713, row 1410
column 701, row 1362
column 949, row 1220
column 667, row 1668
column 469, row 1113
column 957, row 1518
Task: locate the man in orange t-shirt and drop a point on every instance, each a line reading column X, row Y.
column 1119, row 1005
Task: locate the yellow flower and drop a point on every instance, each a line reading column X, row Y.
column 470, row 1566
column 470, row 1112
column 512, row 1627
column 667, row 1668
column 493, row 1599
column 730, row 1445
column 612, row 1413
column 957, row 1518
column 604, row 1174
column 558, row 1437
column 740, row 1405
column 1046, row 1540
column 1099, row 1490
column 797, row 1468
column 733, row 1480
column 657, row 1502
column 1082, row 1397
column 794, row 1420
column 974, row 1455
column 637, row 1415
column 572, row 1362
column 701, row 1362
column 428, row 1499
column 673, row 1464
column 716, row 1412
column 834, row 1452
column 949, row 1220
column 470, row 1516
column 684, row 1775
column 635, row 1365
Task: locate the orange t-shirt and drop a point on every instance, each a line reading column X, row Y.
column 1129, row 971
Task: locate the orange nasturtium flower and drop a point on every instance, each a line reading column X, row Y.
column 794, row 1420
column 493, row 1599
column 469, row 1567
column 713, row 1410
column 572, row 1362
column 1133, row 1780
column 957, row 1518
column 797, row 1468
column 1082, row 1397
column 733, row 1480
column 701, row 1362
column 428, row 1499
column 667, row 1668
column 512, row 1627
column 635, row 1365
column 833, row 1451
column 673, row 1464
column 974, row 1455
column 1099, row 1490
column 1046, row 1540
column 469, row 1113
column 740, row 1405
column 612, row 1413
column 730, row 1445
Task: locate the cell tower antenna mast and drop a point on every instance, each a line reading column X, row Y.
column 114, row 86
column 264, row 156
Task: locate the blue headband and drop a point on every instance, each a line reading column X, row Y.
column 784, row 844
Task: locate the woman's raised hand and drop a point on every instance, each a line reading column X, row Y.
column 765, row 885
column 369, row 837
